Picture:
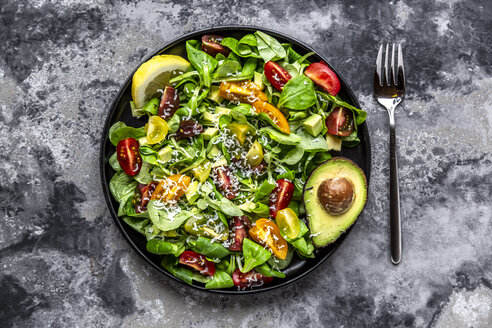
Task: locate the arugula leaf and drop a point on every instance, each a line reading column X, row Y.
column 162, row 247
column 203, row 62
column 285, row 139
column 161, row 218
column 254, row 255
column 206, row 247
column 268, row 47
column 220, row 280
column 120, row 131
column 298, row 94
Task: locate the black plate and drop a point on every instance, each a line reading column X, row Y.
column 120, row 111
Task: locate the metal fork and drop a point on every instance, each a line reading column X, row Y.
column 389, row 88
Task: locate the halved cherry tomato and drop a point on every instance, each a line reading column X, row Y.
column 171, row 188
column 281, row 196
column 198, row 262
column 222, row 179
column 189, row 129
column 276, row 74
column 340, row 122
column 146, row 192
column 267, row 233
column 211, row 45
column 128, row 156
column 169, row 103
column 323, row 76
column 249, row 279
column 288, row 223
column 240, row 226
column 157, row 129
column 241, row 91
column 277, row 117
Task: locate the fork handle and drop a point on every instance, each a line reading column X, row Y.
column 395, row 221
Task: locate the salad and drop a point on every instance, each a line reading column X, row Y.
column 214, row 178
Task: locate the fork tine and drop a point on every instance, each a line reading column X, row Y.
column 379, row 64
column 386, row 80
column 401, row 69
column 392, row 80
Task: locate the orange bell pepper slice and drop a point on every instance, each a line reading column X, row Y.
column 276, row 115
column 171, row 188
column 241, row 91
column 267, row 233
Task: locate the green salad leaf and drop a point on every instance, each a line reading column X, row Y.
column 254, row 255
column 268, row 47
column 298, row 94
column 220, row 280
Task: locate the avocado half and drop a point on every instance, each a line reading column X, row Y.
column 325, row 227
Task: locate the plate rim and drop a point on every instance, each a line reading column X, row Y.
column 104, row 138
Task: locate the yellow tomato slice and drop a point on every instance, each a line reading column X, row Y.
column 267, row 233
column 277, row 117
column 288, row 223
column 241, row 91
column 171, row 188
column 157, row 129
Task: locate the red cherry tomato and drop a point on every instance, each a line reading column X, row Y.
column 128, row 156
column 169, row 103
column 240, row 227
column 197, row 262
column 340, row 122
column 249, row 279
column 211, row 45
column 188, row 129
column 222, row 179
column 281, row 196
column 145, row 193
column 277, row 75
column 323, row 76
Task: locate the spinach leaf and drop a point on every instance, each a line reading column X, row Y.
column 162, row 247
column 268, row 47
column 224, row 205
column 293, row 156
column 143, row 176
column 138, row 224
column 206, row 247
column 285, row 139
column 298, row 94
column 220, row 280
column 249, row 68
column 148, row 154
column 169, row 262
column 352, row 140
column 120, row 131
column 265, row 270
column 244, row 47
column 166, row 218
column 203, row 62
column 254, row 255
column 360, row 115
column 113, row 162
column 264, row 190
column 289, row 175
column 229, row 67
column 279, row 264
column 310, row 143
column 122, row 186
column 152, row 106
column 304, row 247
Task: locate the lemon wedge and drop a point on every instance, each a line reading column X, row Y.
column 154, row 75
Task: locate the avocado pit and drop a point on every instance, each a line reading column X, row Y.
column 336, row 195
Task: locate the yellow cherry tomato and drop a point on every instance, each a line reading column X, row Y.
column 267, row 233
column 157, row 129
column 171, row 188
column 288, row 223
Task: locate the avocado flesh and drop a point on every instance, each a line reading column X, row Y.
column 326, row 228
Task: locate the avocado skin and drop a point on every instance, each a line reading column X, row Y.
column 328, row 228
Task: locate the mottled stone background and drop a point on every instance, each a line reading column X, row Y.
column 63, row 262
